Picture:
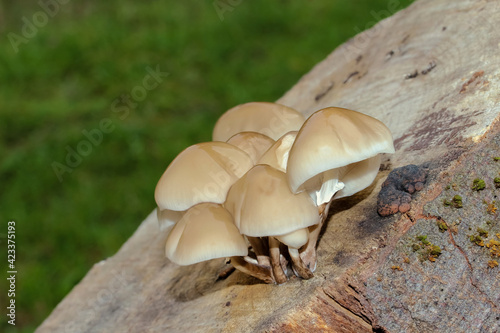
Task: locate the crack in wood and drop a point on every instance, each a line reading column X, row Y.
column 359, row 314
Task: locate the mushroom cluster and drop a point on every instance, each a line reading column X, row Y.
column 259, row 193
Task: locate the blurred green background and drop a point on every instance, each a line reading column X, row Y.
column 64, row 74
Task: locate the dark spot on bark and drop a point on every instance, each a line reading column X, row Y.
column 358, row 59
column 411, row 75
column 322, row 94
column 342, row 258
column 429, row 68
column 228, row 303
column 395, row 195
column 385, row 166
column 350, row 77
column 114, row 308
column 389, row 55
column 444, row 28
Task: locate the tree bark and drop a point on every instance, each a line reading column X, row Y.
column 431, row 73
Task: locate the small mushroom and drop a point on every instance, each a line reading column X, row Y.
column 206, row 231
column 295, row 240
column 253, row 143
column 203, row 172
column 263, row 206
column 270, row 119
column 332, row 138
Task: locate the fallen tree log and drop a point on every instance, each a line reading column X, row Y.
column 431, row 73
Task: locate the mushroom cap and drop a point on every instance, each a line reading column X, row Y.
column 270, row 119
column 335, row 137
column 253, row 143
column 295, row 239
column 203, row 172
column 277, row 155
column 262, row 204
column 205, row 232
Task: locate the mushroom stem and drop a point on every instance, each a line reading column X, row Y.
column 308, row 256
column 283, row 259
column 260, row 272
column 274, row 251
column 250, row 260
column 260, row 249
column 298, row 265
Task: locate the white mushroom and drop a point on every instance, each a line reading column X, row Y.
column 206, row 231
column 201, row 173
column 336, row 150
column 262, row 205
column 332, row 138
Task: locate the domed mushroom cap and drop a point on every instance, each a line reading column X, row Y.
column 253, row 143
column 201, row 173
column 262, row 205
column 295, row 239
column 332, row 138
column 277, row 155
column 270, row 119
column 205, row 232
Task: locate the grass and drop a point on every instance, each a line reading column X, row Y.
column 66, row 79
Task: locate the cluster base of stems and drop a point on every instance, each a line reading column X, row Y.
column 270, row 264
